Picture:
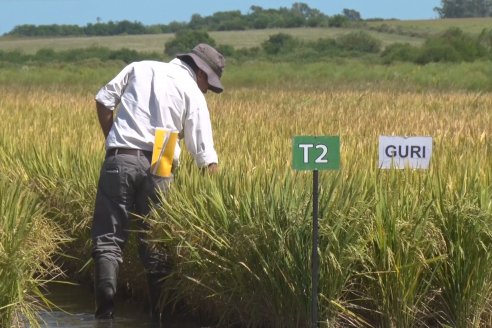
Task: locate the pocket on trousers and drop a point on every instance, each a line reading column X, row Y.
column 113, row 181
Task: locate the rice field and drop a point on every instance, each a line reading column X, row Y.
column 398, row 248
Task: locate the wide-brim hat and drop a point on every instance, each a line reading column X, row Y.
column 209, row 60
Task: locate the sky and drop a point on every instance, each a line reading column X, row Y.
column 148, row 12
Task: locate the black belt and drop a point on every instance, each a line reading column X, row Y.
column 127, row 151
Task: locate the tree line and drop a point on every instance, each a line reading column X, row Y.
column 299, row 15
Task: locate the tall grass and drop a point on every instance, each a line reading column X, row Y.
column 241, row 240
column 28, row 240
column 465, row 278
column 397, row 248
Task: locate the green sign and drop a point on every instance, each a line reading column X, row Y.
column 316, row 153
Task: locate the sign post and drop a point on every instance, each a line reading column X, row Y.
column 314, row 254
column 315, row 153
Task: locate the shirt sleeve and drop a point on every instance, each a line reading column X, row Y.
column 198, row 133
column 110, row 94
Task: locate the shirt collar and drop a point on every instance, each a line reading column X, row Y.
column 182, row 64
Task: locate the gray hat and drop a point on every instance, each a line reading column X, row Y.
column 210, row 61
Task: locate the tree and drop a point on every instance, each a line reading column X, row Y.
column 302, row 9
column 185, row 40
column 352, row 15
column 464, row 8
column 197, row 22
column 226, row 20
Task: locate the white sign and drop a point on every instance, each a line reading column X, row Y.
column 404, row 152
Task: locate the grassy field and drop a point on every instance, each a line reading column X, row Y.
column 155, row 43
column 468, row 25
column 336, row 73
column 399, row 248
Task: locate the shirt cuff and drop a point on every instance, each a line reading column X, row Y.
column 204, row 159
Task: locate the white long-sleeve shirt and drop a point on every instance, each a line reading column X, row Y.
column 153, row 94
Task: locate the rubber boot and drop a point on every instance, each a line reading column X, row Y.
column 105, row 278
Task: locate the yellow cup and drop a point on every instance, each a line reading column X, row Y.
column 163, row 152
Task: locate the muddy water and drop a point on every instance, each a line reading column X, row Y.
column 76, row 311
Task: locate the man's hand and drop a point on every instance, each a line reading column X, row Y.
column 212, row 168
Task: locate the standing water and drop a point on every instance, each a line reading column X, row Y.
column 76, row 310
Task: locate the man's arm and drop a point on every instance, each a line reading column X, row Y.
column 197, row 133
column 105, row 116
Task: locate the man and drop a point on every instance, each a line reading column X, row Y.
column 149, row 95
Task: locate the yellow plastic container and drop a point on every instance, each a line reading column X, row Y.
column 163, row 152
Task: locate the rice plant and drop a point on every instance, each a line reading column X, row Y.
column 27, row 243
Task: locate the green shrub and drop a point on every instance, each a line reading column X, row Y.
column 247, row 53
column 126, row 55
column 485, row 40
column 14, row 56
column 226, row 50
column 438, row 53
column 325, row 46
column 360, row 42
column 338, row 21
column 403, row 52
column 453, row 45
column 75, row 55
column 279, row 43
column 45, row 54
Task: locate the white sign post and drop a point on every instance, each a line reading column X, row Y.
column 404, row 152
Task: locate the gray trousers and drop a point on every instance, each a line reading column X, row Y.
column 125, row 191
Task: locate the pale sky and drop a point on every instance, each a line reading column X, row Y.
column 148, row 12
